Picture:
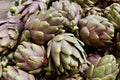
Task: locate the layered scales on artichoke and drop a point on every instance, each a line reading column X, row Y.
column 61, row 40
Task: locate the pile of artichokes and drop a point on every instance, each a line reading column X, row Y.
column 61, row 40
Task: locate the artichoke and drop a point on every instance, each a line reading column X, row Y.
column 103, row 68
column 9, row 33
column 43, row 26
column 96, row 31
column 61, row 40
column 71, row 11
column 27, row 8
column 65, row 54
column 112, row 13
column 30, row 57
column 11, row 73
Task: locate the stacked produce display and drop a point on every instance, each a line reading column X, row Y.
column 61, row 40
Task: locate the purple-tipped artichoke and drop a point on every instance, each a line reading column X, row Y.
column 9, row 33
column 30, row 57
column 96, row 31
column 27, row 8
column 71, row 11
column 11, row 73
column 44, row 26
column 103, row 68
column 66, row 55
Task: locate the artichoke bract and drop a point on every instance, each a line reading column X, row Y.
column 71, row 11
column 9, row 33
column 27, row 8
column 11, row 73
column 44, row 25
column 66, row 55
column 29, row 56
column 112, row 13
column 103, row 68
column 96, row 31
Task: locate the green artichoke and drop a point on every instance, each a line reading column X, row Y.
column 66, row 55
column 103, row 68
column 11, row 73
column 43, row 26
column 96, row 31
column 71, row 11
column 29, row 56
column 27, row 8
column 9, row 33
column 112, row 13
